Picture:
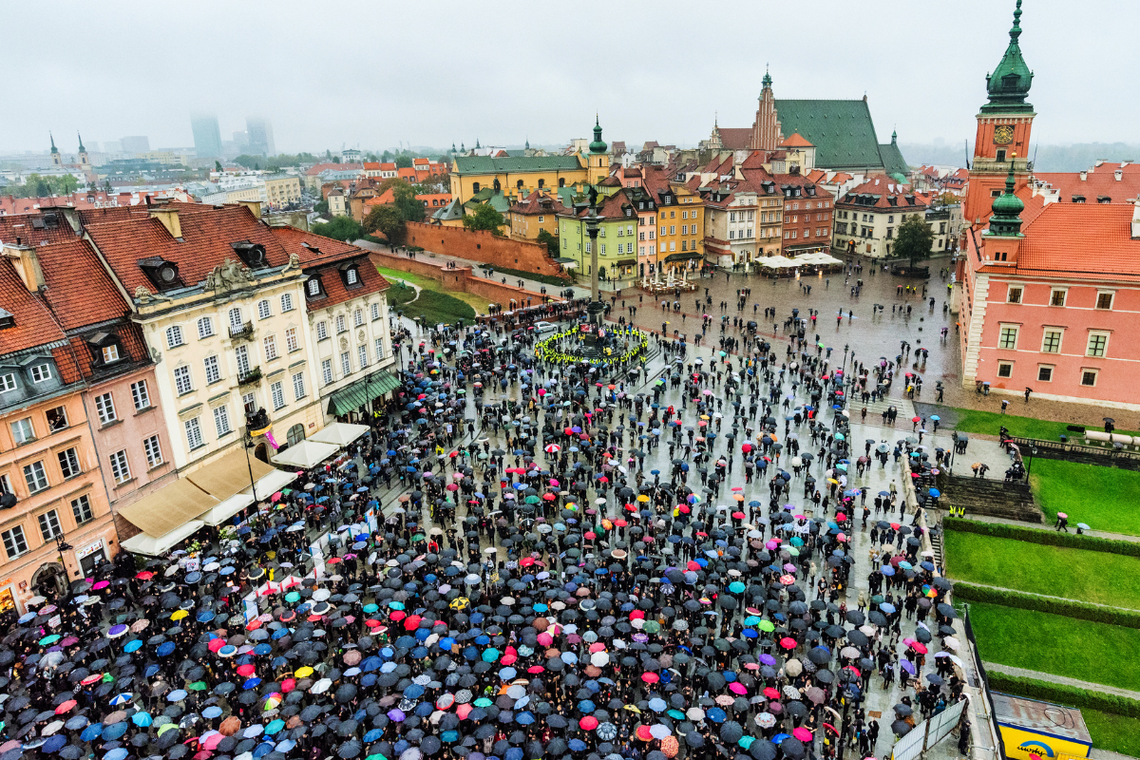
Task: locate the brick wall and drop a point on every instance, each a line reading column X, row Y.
column 483, row 247
column 461, row 279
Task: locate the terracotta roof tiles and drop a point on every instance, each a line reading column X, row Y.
column 79, row 290
column 34, row 323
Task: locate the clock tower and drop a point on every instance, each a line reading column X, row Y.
column 1004, row 126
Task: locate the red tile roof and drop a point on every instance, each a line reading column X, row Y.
column 31, row 229
column 336, row 293
column 1060, row 234
column 313, row 249
column 539, row 203
column 884, row 188
column 79, row 290
column 1100, row 182
column 735, row 138
column 796, row 141
column 34, row 323
column 316, row 169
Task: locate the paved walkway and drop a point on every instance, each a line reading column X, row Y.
column 1023, row 673
column 1093, row 533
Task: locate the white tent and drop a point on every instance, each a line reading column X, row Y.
column 227, row 509
column 305, row 454
column 340, row 434
column 156, row 547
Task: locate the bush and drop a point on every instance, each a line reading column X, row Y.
column 1064, row 694
column 969, row 592
column 1045, row 537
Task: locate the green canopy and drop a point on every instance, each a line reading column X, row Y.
column 362, row 392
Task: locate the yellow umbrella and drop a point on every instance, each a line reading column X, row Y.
column 642, row 498
column 167, row 727
column 179, row 614
column 304, row 672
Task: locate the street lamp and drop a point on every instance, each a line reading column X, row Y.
column 1029, row 471
column 62, row 546
column 595, row 308
column 846, row 348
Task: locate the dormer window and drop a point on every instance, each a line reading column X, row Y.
column 164, row 274
column 251, row 254
column 350, row 274
column 110, row 353
column 7, row 319
column 313, row 287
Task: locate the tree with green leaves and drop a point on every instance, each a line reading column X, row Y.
column 914, row 240
column 404, row 198
column 484, row 217
column 404, row 161
column 321, row 207
column 550, row 241
column 343, row 228
column 387, row 220
column 218, row 167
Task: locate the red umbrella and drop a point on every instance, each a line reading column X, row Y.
column 788, row 643
column 650, row 677
column 589, row 723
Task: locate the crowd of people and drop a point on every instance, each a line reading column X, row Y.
column 507, row 565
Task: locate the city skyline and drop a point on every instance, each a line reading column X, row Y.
column 917, row 85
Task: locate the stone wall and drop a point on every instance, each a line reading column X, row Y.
column 483, row 247
column 462, row 280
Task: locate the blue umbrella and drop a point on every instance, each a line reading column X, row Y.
column 142, row 719
column 92, row 732
column 887, row 608
column 176, row 695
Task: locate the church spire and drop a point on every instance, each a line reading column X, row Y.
column 1008, row 85
column 767, row 80
column 54, row 149
column 81, row 148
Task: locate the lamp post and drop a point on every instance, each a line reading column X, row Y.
column 846, row 348
column 62, row 546
column 1029, row 471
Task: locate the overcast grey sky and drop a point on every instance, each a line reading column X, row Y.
column 375, row 73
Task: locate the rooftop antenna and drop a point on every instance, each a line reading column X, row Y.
column 966, row 148
column 1034, row 163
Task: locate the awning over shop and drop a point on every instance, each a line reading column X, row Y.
column 340, row 434
column 228, row 508
column 362, row 392
column 627, row 262
column 566, row 262
column 684, row 256
column 272, row 483
column 169, row 508
column 154, row 547
column 305, row 454
column 227, row 476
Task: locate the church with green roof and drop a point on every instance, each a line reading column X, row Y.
column 840, row 131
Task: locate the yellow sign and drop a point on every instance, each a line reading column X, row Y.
column 1020, row 744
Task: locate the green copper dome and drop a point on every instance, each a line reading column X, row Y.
column 1006, row 219
column 1008, row 85
column 598, row 145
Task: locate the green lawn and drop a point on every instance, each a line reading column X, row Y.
column 435, row 307
column 1095, row 652
column 394, row 276
column 988, row 423
column 1115, row 733
column 1103, row 497
column 1087, row 576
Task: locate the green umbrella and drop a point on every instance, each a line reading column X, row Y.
column 651, row 626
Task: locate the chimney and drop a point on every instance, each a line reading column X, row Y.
column 169, row 218
column 1084, row 175
column 27, row 263
column 254, row 207
column 1118, row 174
column 1136, row 220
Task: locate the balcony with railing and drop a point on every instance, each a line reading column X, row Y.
column 250, row 376
column 244, row 331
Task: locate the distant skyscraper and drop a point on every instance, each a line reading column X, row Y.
column 135, row 144
column 241, row 139
column 260, row 133
column 207, row 136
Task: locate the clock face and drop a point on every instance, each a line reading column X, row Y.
column 1003, row 134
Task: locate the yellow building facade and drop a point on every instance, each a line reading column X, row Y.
column 680, row 229
column 281, row 191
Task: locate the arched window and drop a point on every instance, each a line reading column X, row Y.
column 474, row 187
column 519, row 184
column 295, row 435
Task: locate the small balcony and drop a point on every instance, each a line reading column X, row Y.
column 250, row 377
column 243, row 331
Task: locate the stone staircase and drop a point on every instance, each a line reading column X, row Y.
column 875, row 411
column 994, row 498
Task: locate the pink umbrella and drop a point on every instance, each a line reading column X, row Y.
column 802, row 734
column 736, row 687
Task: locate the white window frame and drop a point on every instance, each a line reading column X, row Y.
column 322, row 330
column 69, row 464
column 15, row 536
column 110, row 353
column 140, row 395
column 1089, row 341
column 277, row 394
column 298, row 386
column 376, row 311
column 1111, row 300
column 270, row 347
column 1002, row 342
column 286, row 302
column 345, row 363
column 291, row 342
column 263, row 309
column 362, row 355
column 8, row 382
column 1094, row 371
column 174, row 336
column 152, row 447
column 120, row 467
column 222, row 425
column 1002, row 365
column 182, row 373
column 358, row 318
column 23, row 430
column 81, row 509
column 205, row 327
column 1064, row 297
column 213, row 369
column 49, row 524
column 1050, row 367
column 105, row 408
column 326, row 371
column 41, row 373
column 193, row 430
column 1009, row 294
column 1045, row 339
column 39, row 479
